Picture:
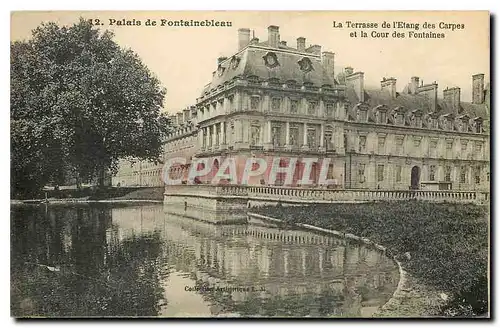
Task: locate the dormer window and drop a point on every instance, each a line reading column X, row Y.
column 235, row 61
column 463, row 126
column 220, row 70
column 479, row 126
column 274, row 81
column 253, row 79
column 400, row 118
column 417, row 121
column 362, row 115
column 382, row 117
column 292, row 84
column 308, row 85
column 271, row 60
column 305, row 65
column 433, row 123
column 449, row 125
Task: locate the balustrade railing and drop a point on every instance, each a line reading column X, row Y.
column 327, row 195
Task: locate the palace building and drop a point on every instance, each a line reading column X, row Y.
column 272, row 100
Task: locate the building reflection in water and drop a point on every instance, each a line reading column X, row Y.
column 285, row 272
column 140, row 261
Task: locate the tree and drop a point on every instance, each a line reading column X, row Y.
column 79, row 102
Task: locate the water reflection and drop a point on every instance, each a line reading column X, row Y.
column 138, row 261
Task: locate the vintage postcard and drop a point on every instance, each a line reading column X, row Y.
column 250, row 164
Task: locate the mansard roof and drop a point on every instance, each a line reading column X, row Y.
column 375, row 97
column 252, row 63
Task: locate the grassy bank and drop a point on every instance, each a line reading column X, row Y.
column 447, row 243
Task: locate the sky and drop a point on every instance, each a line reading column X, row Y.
column 183, row 58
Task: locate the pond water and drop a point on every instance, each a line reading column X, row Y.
column 117, row 260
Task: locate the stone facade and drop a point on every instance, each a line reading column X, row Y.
column 138, row 174
column 271, row 100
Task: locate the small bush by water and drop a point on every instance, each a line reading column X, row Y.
column 447, row 243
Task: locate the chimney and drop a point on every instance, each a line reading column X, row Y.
column 348, row 71
column 220, row 60
column 186, row 115
column 314, row 49
column 356, row 81
column 414, row 84
column 273, row 36
column 452, row 98
column 193, row 111
column 328, row 61
column 430, row 92
column 283, row 43
column 301, row 44
column 243, row 37
column 478, row 88
column 389, row 84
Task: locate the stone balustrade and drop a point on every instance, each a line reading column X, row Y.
column 299, row 195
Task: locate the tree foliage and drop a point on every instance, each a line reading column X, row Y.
column 78, row 103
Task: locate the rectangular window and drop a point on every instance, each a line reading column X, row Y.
column 432, row 173
column 447, row 173
column 255, row 135
column 328, row 140
column 276, row 136
column 463, row 174
column 381, row 144
column 294, row 136
column 399, row 144
column 433, row 144
column 362, row 144
column 329, row 110
column 276, row 104
column 477, row 175
column 398, row 173
column 361, row 173
column 449, row 144
column 217, row 134
column 380, row 172
column 463, row 146
column 479, row 149
column 311, row 108
column 254, row 102
column 311, row 138
column 294, row 106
